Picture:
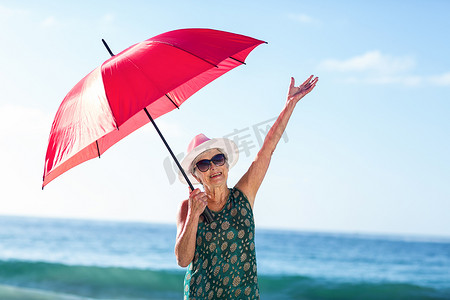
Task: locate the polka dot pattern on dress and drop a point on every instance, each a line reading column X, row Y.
column 224, row 264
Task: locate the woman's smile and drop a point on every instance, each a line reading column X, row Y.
column 215, row 175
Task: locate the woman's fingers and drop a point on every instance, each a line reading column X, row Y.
column 198, row 198
column 292, row 83
column 308, row 80
column 201, row 197
column 307, row 84
column 194, row 192
column 297, row 93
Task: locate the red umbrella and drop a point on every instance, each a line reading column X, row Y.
column 136, row 86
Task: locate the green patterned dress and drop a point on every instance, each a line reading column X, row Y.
column 224, row 264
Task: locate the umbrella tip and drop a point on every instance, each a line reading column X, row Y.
column 107, row 47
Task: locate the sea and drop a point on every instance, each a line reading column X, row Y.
column 85, row 259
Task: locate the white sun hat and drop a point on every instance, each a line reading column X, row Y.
column 200, row 144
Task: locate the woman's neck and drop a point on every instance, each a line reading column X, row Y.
column 217, row 197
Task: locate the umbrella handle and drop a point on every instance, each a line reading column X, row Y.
column 207, row 214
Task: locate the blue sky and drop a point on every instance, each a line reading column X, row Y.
column 366, row 152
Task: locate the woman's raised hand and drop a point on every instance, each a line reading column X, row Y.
column 296, row 93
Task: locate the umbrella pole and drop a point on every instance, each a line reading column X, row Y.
column 207, row 215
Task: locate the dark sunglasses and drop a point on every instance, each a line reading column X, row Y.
column 218, row 160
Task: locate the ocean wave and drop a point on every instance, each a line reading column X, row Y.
column 93, row 281
column 42, row 280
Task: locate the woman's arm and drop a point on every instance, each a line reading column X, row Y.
column 187, row 223
column 252, row 179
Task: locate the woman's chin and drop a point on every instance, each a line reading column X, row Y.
column 217, row 180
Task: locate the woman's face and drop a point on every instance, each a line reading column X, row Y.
column 215, row 175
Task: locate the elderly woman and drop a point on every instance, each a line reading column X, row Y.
column 221, row 254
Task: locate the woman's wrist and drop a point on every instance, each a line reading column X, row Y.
column 193, row 217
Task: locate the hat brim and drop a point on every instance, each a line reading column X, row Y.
column 226, row 146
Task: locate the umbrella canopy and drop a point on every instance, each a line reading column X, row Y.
column 154, row 76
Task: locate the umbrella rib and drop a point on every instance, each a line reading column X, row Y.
column 140, row 69
column 98, row 149
column 238, row 60
column 172, row 45
column 172, row 101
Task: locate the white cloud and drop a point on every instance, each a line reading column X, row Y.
column 107, row 18
column 11, row 12
column 302, row 18
column 441, row 80
column 373, row 61
column 49, row 22
column 19, row 121
column 383, row 80
column 23, row 140
column 105, row 23
column 403, row 80
column 376, row 68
